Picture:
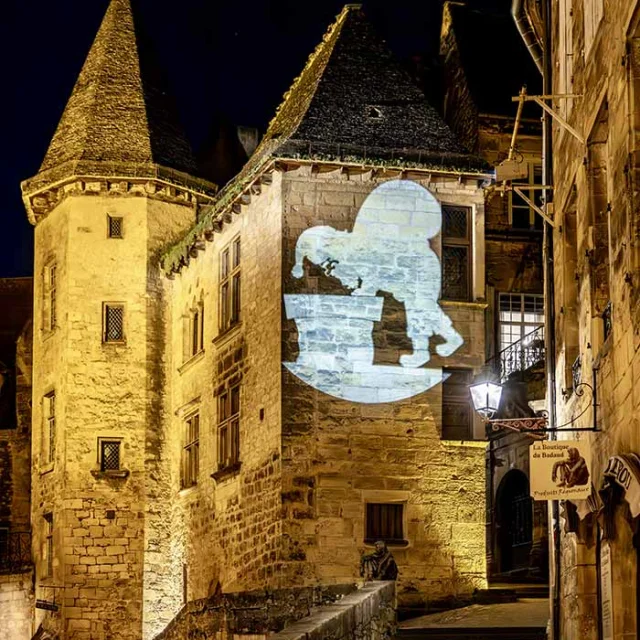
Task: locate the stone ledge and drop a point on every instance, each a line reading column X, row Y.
column 227, row 472
column 371, row 606
column 119, row 474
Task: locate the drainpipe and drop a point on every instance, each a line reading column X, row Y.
column 526, row 33
column 542, row 58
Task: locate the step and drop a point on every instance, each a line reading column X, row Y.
column 487, row 633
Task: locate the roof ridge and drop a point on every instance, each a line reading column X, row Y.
column 333, row 29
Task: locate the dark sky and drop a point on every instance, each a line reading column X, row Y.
column 235, row 57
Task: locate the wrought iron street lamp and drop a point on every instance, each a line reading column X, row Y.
column 486, row 398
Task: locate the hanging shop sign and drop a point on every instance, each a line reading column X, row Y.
column 560, row 469
column 624, row 470
column 606, row 605
column 47, row 606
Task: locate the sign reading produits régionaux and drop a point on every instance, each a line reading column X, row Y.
column 560, row 470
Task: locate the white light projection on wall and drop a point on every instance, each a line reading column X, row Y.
column 388, row 250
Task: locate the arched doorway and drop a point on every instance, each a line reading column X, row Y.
column 514, row 522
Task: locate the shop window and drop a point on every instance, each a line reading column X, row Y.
column 385, row 522
column 191, row 451
column 457, row 412
column 456, row 253
column 230, row 286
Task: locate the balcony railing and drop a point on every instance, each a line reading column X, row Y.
column 520, row 356
column 15, row 551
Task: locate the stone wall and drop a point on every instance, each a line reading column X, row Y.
column 16, row 606
column 251, row 614
column 103, row 523
column 596, row 204
column 339, row 455
column 226, row 529
column 369, row 613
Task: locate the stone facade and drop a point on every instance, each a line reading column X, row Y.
column 16, row 606
column 596, row 271
column 161, row 330
column 340, row 455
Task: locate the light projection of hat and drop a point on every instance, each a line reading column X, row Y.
column 387, row 250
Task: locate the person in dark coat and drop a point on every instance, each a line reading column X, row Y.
column 379, row 565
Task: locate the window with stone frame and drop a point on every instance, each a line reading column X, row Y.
column 49, row 427
column 384, row 521
column 115, row 227
column 50, row 297
column 113, row 329
column 457, row 412
column 230, row 292
column 229, row 428
column 601, row 220
column 48, row 546
column 190, row 451
column 520, row 314
column 521, row 214
column 194, row 330
column 456, row 253
column 109, row 454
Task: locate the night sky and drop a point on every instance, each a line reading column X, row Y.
column 229, row 58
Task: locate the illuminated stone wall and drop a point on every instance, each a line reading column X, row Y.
column 340, row 454
column 16, row 606
column 596, row 258
column 226, row 530
column 107, row 529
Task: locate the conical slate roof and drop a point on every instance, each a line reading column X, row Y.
column 119, row 110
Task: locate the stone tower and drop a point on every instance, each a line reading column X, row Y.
column 116, row 187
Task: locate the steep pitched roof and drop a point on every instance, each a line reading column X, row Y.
column 119, row 110
column 354, row 99
column 352, row 102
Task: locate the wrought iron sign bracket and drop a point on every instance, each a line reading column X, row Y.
column 537, row 426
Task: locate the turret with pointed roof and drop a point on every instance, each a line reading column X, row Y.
column 120, row 119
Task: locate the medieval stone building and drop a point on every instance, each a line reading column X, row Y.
column 591, row 66
column 229, row 389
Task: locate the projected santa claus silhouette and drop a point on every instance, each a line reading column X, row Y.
column 386, row 252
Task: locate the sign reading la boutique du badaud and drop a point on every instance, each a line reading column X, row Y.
column 560, row 470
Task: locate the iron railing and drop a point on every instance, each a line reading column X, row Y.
column 15, row 551
column 520, row 356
